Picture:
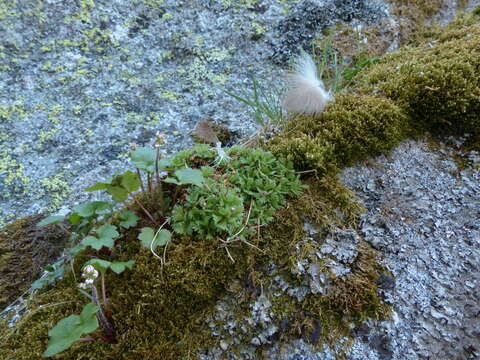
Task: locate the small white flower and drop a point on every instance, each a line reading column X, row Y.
column 89, row 272
column 161, row 139
column 88, row 269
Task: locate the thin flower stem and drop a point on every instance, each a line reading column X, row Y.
column 162, row 260
column 141, row 182
column 159, row 182
column 104, row 291
column 157, row 159
column 102, row 319
column 244, row 226
column 149, row 183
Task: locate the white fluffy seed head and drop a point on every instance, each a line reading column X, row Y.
column 305, row 93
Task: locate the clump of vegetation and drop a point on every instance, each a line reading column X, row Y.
column 160, row 307
column 350, row 129
column 437, row 86
column 418, row 9
column 216, row 202
column 252, row 178
column 413, row 16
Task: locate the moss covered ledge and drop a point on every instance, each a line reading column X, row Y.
column 167, row 318
column 24, row 251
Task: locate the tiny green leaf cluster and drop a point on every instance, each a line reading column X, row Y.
column 247, row 190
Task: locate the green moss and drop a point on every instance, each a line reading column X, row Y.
column 325, row 319
column 416, row 14
column 24, row 250
column 420, row 9
column 162, row 314
column 352, row 128
column 439, row 86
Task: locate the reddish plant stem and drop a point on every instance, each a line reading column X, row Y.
column 87, row 339
column 175, row 194
column 138, row 213
column 149, row 183
column 102, row 319
column 145, row 210
column 107, row 339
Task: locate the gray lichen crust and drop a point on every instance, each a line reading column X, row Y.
column 422, row 216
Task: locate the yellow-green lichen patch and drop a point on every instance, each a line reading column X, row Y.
column 15, row 111
column 83, row 15
column 7, row 9
column 12, row 173
column 57, row 190
column 439, row 86
column 54, row 112
column 46, row 135
column 24, row 250
column 351, row 128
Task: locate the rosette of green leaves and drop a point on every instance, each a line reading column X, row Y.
column 191, row 157
column 209, row 211
column 264, row 179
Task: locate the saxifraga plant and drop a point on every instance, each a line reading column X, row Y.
column 190, row 193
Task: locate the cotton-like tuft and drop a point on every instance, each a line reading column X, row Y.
column 306, row 93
